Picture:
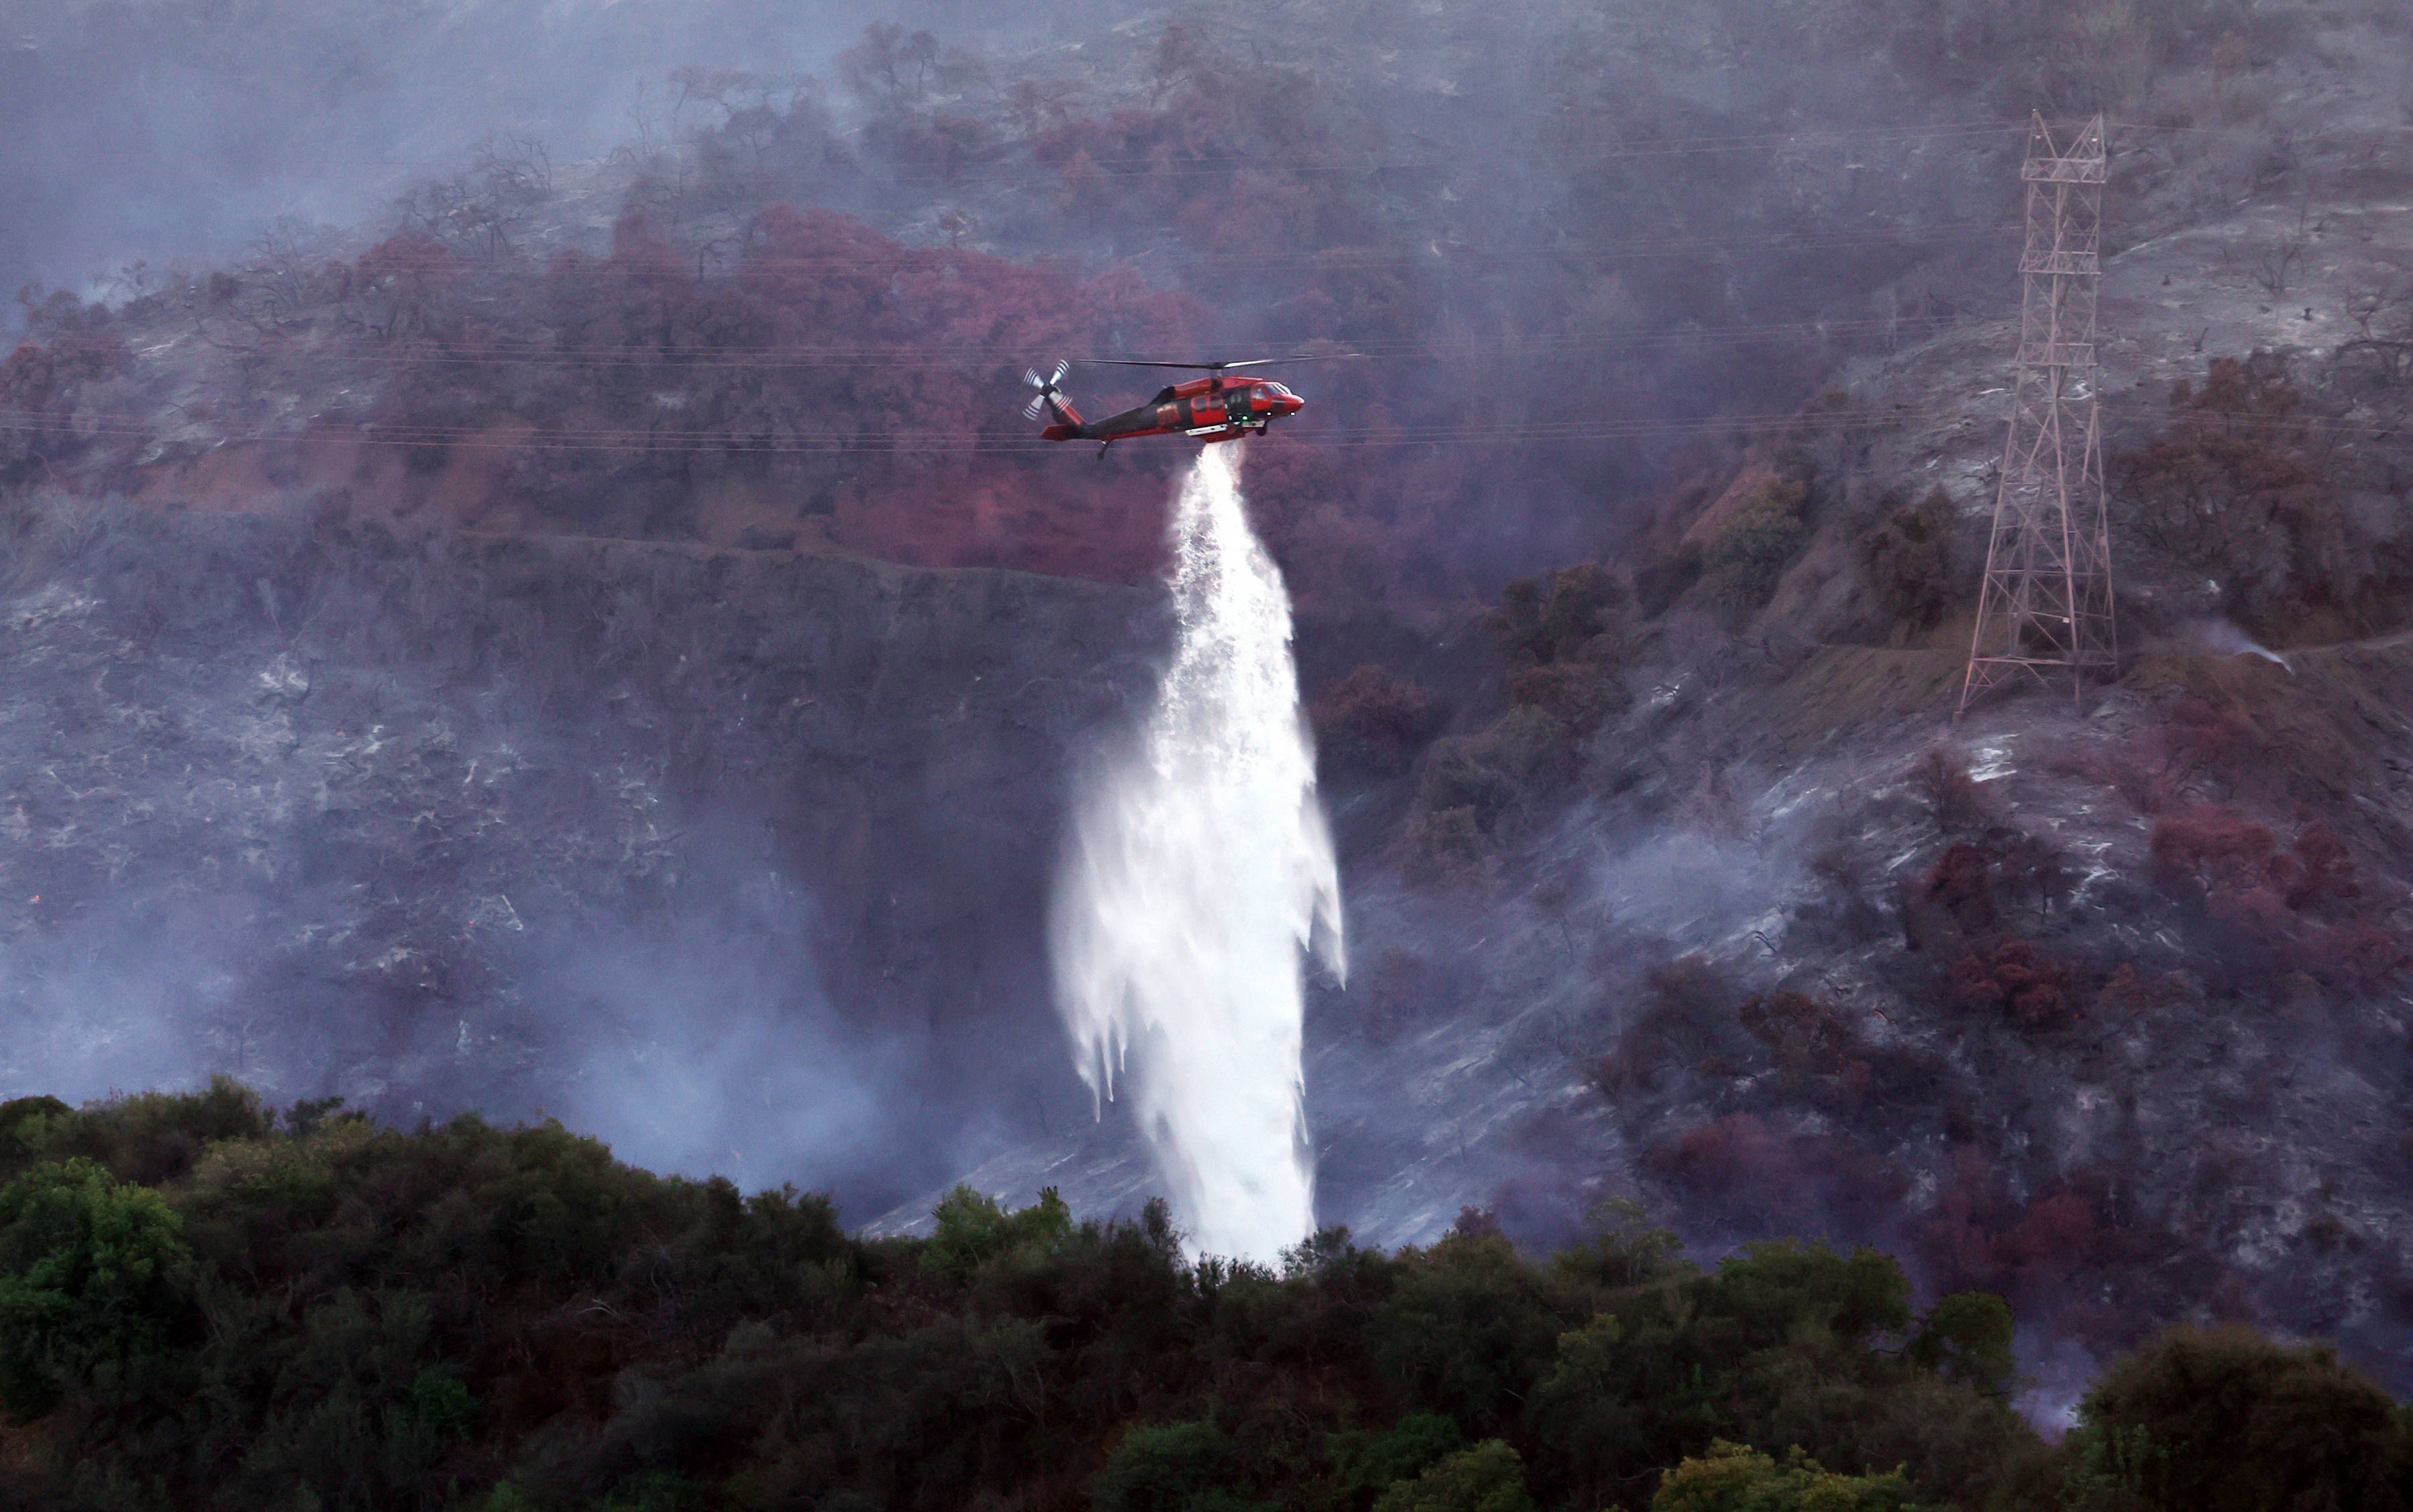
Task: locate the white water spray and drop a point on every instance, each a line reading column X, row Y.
column 1198, row 871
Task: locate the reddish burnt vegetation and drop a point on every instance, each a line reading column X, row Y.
column 720, row 374
column 1953, row 900
column 1741, row 1170
column 2200, row 745
column 2213, row 739
column 1561, row 636
column 2210, row 848
column 1687, row 1020
column 807, row 380
column 42, row 384
column 2239, row 489
column 1907, row 561
column 1823, row 1057
column 842, row 378
column 1374, row 724
column 2271, row 909
column 1809, row 1036
column 409, row 285
column 2017, row 980
column 2063, row 1254
column 2131, row 994
column 1978, row 1237
column 1956, row 912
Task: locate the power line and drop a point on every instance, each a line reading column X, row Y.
column 732, row 442
column 1189, row 165
column 1193, row 165
column 590, row 267
column 684, row 359
column 2342, row 134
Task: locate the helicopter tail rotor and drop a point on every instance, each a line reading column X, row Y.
column 1046, row 396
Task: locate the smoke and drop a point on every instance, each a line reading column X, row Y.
column 1197, row 870
column 107, row 1007
column 440, row 829
column 2222, row 638
column 182, row 128
column 701, row 1042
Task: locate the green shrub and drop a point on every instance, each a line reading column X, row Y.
column 25, row 1123
column 150, row 1137
column 1468, row 1330
column 1674, row 1363
column 973, row 1229
column 1488, row 1477
column 442, row 1404
column 1967, row 1336
column 1374, row 724
column 354, row 1414
column 92, row 1270
column 655, row 1490
column 1623, row 1248
column 1578, row 694
column 389, row 1322
column 1171, row 1467
column 1569, row 615
column 1445, row 846
column 1733, row 1478
column 1778, row 1291
column 1363, row 1460
column 1907, row 560
column 1742, row 563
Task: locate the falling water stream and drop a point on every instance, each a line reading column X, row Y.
column 1198, row 872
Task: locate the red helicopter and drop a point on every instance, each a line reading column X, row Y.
column 1212, row 408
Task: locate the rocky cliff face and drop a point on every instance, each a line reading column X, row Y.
column 737, row 858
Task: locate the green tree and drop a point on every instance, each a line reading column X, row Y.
column 1171, row 1467
column 1967, row 1336
column 25, row 1121
column 1488, row 1477
column 1774, row 1290
column 92, row 1270
column 1743, row 562
column 1367, row 1461
column 1469, row 1329
column 973, row 1229
column 1734, row 1477
column 2226, row 1420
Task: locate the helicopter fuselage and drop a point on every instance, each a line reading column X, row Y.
column 1218, row 408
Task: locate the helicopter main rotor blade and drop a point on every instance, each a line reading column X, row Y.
column 1215, row 368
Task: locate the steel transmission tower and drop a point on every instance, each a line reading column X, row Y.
column 2046, row 603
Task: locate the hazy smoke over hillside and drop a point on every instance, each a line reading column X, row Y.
column 590, row 632
column 181, row 129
